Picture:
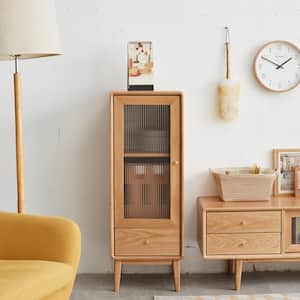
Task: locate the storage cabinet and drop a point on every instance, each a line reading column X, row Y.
column 239, row 232
column 146, row 180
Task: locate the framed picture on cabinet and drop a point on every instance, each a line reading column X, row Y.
column 285, row 161
column 140, row 66
column 297, row 182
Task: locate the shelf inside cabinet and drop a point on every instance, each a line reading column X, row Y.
column 145, row 154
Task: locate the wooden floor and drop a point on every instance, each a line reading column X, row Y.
column 144, row 287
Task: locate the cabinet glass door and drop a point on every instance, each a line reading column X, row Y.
column 292, row 231
column 295, row 235
column 147, row 131
column 147, row 161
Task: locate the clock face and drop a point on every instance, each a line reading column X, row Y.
column 277, row 66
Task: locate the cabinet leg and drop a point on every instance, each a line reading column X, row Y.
column 230, row 266
column 176, row 274
column 118, row 270
column 238, row 273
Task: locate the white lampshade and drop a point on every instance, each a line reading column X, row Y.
column 28, row 28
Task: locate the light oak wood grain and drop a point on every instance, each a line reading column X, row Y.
column 246, row 243
column 230, row 266
column 118, row 271
column 146, row 240
column 111, row 183
column 214, row 203
column 238, row 273
column 175, row 102
column 248, row 231
column 176, row 274
column 235, row 222
column 134, row 241
column 146, row 154
column 19, row 143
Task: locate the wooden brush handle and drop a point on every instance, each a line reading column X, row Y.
column 227, row 61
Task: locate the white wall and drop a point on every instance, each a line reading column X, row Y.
column 66, row 106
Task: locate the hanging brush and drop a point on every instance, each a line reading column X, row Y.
column 228, row 89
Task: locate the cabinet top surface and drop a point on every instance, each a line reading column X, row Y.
column 214, row 203
column 149, row 93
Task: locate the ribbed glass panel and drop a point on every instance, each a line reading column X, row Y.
column 295, row 230
column 147, row 188
column 147, row 128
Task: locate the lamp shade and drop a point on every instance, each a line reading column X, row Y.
column 28, row 28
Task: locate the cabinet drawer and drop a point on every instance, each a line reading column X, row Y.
column 147, row 242
column 235, row 222
column 250, row 243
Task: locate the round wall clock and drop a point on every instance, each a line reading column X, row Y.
column 277, row 66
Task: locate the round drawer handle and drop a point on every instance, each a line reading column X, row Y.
column 242, row 223
column 176, row 162
column 146, row 242
column 242, row 244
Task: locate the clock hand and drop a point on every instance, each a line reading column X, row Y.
column 272, row 62
column 280, row 66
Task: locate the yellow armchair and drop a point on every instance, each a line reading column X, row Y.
column 39, row 257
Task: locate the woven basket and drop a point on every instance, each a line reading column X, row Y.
column 240, row 184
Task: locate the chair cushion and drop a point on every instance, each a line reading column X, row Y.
column 32, row 279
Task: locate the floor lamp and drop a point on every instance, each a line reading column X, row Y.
column 28, row 29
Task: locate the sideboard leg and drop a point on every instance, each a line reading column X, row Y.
column 230, row 266
column 176, row 274
column 118, row 270
column 238, row 273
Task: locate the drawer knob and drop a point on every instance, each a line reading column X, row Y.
column 176, row 162
column 146, row 242
column 242, row 223
column 242, row 244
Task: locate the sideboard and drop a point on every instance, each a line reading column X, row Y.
column 242, row 232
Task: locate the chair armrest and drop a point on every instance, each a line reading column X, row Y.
column 39, row 238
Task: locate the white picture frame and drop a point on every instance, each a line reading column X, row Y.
column 285, row 161
column 140, row 65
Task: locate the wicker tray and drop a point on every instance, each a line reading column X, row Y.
column 240, row 184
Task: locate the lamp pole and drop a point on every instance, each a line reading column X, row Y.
column 19, row 137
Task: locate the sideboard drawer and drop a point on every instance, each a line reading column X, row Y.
column 133, row 241
column 250, row 243
column 235, row 222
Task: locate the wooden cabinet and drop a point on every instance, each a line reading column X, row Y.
column 240, row 232
column 146, row 180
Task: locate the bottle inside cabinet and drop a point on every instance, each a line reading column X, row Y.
column 147, row 188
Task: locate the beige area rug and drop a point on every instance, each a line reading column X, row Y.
column 233, row 297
